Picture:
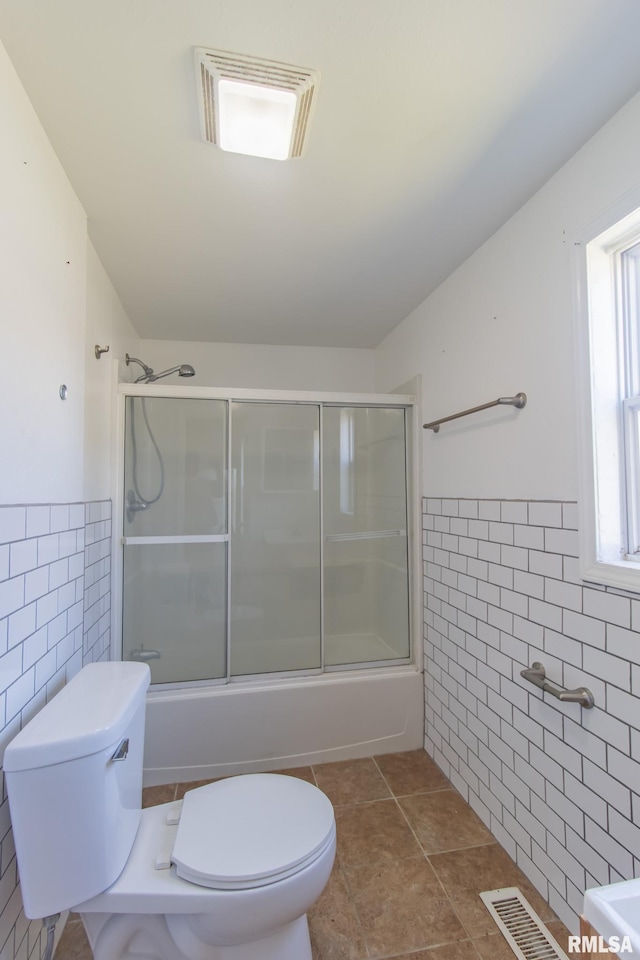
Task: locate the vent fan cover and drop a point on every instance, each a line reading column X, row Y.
column 215, row 65
column 520, row 925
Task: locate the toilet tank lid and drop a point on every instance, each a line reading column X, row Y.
column 88, row 715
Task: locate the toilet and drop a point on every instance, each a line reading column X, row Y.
column 228, row 873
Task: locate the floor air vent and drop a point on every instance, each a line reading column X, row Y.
column 520, row 925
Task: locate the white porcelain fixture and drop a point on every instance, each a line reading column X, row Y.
column 213, row 731
column 614, row 911
column 227, row 874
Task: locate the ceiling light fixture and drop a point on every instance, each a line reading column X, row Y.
column 251, row 106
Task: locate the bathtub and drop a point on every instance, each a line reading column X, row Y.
column 199, row 733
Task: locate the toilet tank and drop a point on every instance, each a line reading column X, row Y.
column 74, row 780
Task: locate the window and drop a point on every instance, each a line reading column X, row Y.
column 609, row 340
column 628, row 264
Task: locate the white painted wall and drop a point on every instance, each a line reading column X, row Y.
column 56, row 302
column 503, row 322
column 501, row 583
column 261, row 366
column 107, row 325
column 42, row 308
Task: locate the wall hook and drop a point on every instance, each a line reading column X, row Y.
column 99, row 351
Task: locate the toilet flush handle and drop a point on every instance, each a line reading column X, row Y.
column 122, row 750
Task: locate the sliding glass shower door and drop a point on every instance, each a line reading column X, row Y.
column 175, row 539
column 263, row 538
column 275, row 552
column 365, row 532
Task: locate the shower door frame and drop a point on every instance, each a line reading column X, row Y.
column 307, row 398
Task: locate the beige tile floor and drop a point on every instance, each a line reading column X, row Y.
column 412, row 858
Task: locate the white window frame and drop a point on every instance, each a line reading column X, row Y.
column 608, row 378
column 631, row 430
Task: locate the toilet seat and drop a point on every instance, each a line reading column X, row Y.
column 250, row 831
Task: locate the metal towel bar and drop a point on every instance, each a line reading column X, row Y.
column 536, row 675
column 518, row 401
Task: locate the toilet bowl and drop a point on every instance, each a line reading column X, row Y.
column 228, row 873
column 233, row 878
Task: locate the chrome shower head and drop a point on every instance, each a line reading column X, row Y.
column 183, row 370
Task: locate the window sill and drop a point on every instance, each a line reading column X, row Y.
column 623, row 575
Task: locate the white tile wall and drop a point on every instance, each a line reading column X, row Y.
column 558, row 786
column 54, row 617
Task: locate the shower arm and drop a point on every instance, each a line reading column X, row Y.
column 148, row 371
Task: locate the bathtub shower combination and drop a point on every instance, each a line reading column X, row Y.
column 266, row 576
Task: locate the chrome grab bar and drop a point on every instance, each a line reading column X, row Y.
column 536, row 675
column 518, row 401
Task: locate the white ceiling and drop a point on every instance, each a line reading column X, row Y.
column 435, row 120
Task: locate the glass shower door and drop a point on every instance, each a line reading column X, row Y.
column 275, row 550
column 366, row 582
column 175, row 536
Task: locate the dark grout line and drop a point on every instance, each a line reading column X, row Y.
column 427, row 793
column 426, row 856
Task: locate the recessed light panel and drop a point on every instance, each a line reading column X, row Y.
column 251, row 106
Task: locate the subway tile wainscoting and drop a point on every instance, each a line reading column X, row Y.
column 55, row 608
column 558, row 786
